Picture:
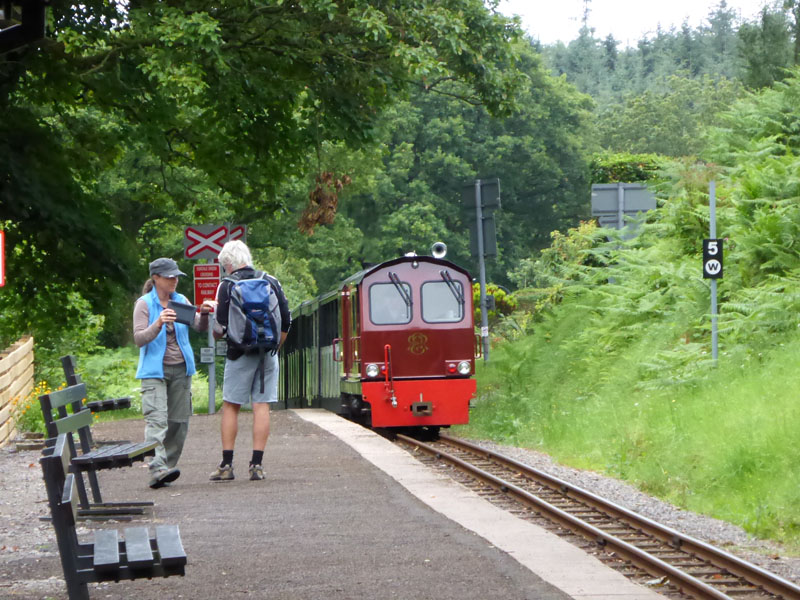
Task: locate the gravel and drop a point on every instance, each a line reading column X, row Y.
column 766, row 554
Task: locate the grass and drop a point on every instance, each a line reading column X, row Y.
column 724, row 444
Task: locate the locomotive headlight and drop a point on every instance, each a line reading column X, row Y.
column 464, row 367
column 372, row 370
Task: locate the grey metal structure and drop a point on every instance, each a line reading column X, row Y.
column 615, row 203
column 484, row 200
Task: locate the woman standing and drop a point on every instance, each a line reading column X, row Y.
column 166, row 366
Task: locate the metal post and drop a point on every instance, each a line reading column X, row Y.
column 482, row 266
column 620, row 206
column 712, row 197
column 212, row 377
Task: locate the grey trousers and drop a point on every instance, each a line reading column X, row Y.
column 167, row 406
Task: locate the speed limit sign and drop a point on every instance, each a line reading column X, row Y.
column 712, row 259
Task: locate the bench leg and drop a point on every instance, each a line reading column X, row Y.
column 77, row 590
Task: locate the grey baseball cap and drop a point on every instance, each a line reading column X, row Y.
column 166, row 267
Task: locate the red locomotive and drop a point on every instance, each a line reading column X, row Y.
column 393, row 346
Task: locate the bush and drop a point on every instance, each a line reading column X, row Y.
column 26, row 412
column 504, row 301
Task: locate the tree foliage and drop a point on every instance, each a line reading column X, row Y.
column 433, row 147
column 135, row 119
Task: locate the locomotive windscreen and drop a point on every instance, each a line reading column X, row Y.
column 387, row 306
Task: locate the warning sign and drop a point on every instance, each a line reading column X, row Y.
column 206, row 281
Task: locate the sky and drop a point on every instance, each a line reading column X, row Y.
column 628, row 20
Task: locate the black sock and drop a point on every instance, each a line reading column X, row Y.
column 227, row 458
column 258, row 456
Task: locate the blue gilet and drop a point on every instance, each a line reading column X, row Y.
column 151, row 356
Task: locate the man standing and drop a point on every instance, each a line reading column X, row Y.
column 251, row 375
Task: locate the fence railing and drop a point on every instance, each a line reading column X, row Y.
column 16, row 382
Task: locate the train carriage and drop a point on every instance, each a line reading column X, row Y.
column 394, row 346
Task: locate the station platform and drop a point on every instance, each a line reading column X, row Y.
column 342, row 514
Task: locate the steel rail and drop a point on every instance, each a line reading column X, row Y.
column 651, row 564
column 716, row 556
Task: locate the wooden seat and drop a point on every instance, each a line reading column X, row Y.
column 90, row 460
column 71, row 376
column 107, row 557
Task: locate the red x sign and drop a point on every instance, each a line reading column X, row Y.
column 206, row 241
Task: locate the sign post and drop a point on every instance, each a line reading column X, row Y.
column 206, row 241
column 712, row 265
column 484, row 240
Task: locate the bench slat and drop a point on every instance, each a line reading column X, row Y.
column 170, row 547
column 69, row 500
column 137, row 547
column 73, row 393
column 111, row 404
column 74, row 422
column 106, row 550
column 117, row 455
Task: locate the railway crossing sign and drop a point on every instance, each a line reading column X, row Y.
column 712, row 259
column 206, row 241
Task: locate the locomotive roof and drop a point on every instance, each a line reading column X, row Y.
column 356, row 278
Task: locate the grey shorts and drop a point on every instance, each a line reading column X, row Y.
column 241, row 383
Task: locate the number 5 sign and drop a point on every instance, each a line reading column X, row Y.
column 712, row 259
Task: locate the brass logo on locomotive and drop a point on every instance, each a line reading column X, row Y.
column 418, row 343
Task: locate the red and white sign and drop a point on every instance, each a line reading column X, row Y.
column 2, row 258
column 206, row 241
column 206, row 281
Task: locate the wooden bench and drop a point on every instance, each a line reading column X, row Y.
column 107, row 557
column 58, row 420
column 72, row 377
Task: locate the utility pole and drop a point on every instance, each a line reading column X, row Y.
column 482, row 269
column 484, row 198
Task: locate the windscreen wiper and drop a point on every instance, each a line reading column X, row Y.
column 400, row 289
column 453, row 287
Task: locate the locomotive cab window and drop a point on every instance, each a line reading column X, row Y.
column 442, row 301
column 388, row 305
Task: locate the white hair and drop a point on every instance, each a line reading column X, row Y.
column 235, row 255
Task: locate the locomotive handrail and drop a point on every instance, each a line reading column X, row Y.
column 389, row 381
column 335, row 347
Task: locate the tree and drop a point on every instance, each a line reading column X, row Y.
column 432, row 146
column 765, row 49
column 135, row 115
column 669, row 121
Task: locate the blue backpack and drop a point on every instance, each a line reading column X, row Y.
column 254, row 318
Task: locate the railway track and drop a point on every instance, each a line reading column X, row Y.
column 669, row 562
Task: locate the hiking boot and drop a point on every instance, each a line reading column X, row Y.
column 223, row 473
column 162, row 477
column 256, row 472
